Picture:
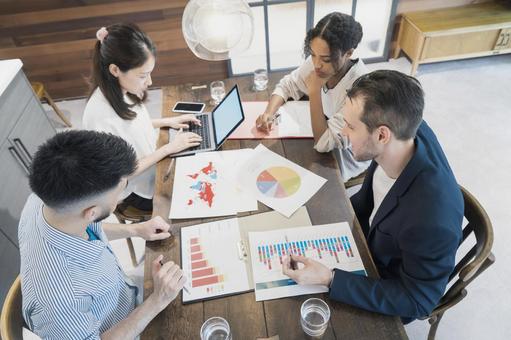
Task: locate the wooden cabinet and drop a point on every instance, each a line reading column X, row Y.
column 455, row 33
column 24, row 126
column 503, row 40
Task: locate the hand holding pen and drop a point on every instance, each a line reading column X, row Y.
column 293, row 264
column 265, row 121
column 178, row 273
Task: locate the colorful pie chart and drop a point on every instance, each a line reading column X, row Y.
column 278, row 182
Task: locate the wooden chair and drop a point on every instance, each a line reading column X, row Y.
column 125, row 213
column 41, row 93
column 357, row 180
column 478, row 258
column 11, row 322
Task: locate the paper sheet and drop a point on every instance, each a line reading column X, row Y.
column 277, row 182
column 204, row 186
column 294, row 121
column 210, row 260
column 331, row 244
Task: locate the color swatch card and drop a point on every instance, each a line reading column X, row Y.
column 293, row 120
column 277, row 182
column 331, row 244
column 203, row 186
column 211, row 260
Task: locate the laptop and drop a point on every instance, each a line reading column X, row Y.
column 217, row 125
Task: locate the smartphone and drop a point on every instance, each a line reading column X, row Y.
column 188, row 107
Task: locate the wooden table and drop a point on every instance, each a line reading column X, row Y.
column 250, row 319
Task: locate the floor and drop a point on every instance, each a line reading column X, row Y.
column 467, row 105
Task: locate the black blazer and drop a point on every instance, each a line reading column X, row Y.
column 413, row 237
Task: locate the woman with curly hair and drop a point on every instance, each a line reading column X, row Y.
column 325, row 76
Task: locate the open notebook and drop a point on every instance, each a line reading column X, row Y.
column 218, row 260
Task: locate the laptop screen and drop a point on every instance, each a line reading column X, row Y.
column 227, row 115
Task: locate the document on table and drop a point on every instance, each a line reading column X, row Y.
column 293, row 120
column 331, row 244
column 203, row 185
column 215, row 256
column 277, row 182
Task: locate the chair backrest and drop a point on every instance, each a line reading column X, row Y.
column 477, row 259
column 11, row 322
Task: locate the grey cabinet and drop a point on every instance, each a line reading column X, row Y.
column 24, row 126
column 10, row 266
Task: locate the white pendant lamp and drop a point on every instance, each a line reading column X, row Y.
column 217, row 29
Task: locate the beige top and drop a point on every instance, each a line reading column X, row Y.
column 293, row 86
column 139, row 132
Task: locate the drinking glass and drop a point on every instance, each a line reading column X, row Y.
column 217, row 89
column 215, row 328
column 314, row 316
column 260, row 79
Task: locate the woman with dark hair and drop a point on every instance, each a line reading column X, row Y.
column 123, row 60
column 325, row 76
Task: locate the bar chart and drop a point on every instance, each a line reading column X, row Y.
column 330, row 244
column 337, row 247
column 203, row 273
column 209, row 255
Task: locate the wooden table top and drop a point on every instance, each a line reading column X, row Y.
column 247, row 318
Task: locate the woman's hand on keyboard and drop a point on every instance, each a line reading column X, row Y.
column 183, row 141
column 182, row 121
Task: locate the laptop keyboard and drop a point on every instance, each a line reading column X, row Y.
column 203, row 131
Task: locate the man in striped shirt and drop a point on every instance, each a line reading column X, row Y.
column 72, row 284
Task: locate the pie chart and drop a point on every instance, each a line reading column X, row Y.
column 278, row 182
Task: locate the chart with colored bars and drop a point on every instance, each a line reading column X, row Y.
column 210, row 260
column 202, row 273
column 330, row 244
column 336, row 247
column 278, row 182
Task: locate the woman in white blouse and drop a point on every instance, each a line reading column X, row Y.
column 324, row 76
column 123, row 59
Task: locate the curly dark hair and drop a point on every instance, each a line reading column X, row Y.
column 340, row 31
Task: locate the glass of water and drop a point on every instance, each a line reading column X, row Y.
column 217, row 89
column 215, row 328
column 260, row 79
column 314, row 316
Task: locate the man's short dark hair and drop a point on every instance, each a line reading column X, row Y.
column 76, row 165
column 392, row 99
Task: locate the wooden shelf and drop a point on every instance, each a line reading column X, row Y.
column 455, row 33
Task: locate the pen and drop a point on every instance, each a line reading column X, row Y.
column 275, row 116
column 184, row 287
column 292, row 262
column 198, row 87
column 167, row 173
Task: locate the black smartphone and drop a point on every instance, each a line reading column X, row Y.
column 188, row 107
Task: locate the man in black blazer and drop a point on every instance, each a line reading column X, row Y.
column 410, row 206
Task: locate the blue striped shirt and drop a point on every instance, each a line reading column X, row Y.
column 72, row 288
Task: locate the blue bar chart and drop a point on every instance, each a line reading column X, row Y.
column 331, row 245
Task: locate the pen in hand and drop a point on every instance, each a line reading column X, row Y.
column 274, row 117
column 291, row 261
column 184, row 287
column 167, row 173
